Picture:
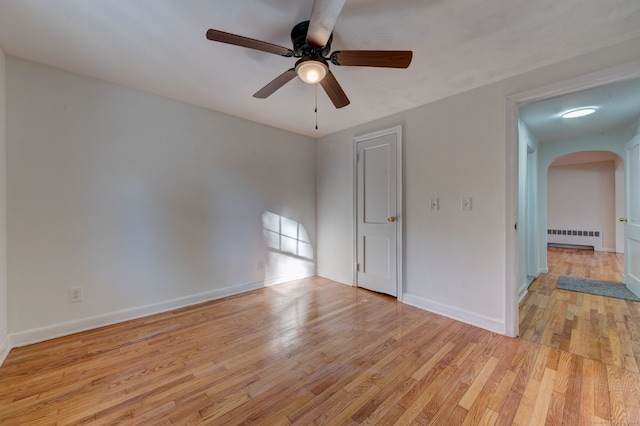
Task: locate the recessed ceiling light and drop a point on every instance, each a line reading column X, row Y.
column 578, row 113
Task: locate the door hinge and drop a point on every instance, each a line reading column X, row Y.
column 357, row 157
column 357, row 267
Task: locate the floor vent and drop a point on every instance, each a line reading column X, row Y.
column 575, row 238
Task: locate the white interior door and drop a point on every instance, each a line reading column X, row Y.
column 377, row 212
column 632, row 224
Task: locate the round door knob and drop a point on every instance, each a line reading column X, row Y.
column 391, row 219
column 623, row 219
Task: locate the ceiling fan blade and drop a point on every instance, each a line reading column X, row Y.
column 251, row 43
column 373, row 58
column 334, row 91
column 323, row 18
column 275, row 84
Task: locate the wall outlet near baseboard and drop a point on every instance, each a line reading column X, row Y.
column 75, row 294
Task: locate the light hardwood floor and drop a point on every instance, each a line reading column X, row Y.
column 317, row 352
column 595, row 265
column 598, row 336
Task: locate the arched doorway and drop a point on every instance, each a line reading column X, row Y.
column 585, row 197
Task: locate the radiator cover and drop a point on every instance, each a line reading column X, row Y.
column 575, row 238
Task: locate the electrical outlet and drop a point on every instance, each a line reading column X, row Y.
column 75, row 294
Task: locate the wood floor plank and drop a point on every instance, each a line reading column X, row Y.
column 501, row 393
column 555, row 414
column 481, row 379
column 413, row 410
column 602, row 407
column 630, row 383
column 616, row 396
column 588, row 391
column 543, row 399
column 525, row 408
column 479, row 407
column 508, row 412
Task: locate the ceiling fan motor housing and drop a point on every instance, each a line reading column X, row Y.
column 302, row 48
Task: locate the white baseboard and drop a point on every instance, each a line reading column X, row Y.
column 455, row 313
column 339, row 278
column 609, row 249
column 524, row 290
column 41, row 334
column 5, row 347
column 285, row 278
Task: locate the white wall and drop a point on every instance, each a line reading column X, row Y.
column 335, row 195
column 145, row 202
column 453, row 148
column 582, row 197
column 4, row 304
column 528, row 260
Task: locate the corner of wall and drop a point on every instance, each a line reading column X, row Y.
column 52, row 331
column 5, row 348
column 5, row 345
column 523, row 291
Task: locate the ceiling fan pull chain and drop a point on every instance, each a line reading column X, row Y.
column 316, row 110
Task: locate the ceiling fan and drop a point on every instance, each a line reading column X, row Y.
column 312, row 44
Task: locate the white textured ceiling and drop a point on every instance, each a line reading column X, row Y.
column 159, row 46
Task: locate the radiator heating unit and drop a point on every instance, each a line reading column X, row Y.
column 565, row 237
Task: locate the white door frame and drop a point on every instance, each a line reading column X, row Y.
column 513, row 102
column 399, row 216
column 630, row 277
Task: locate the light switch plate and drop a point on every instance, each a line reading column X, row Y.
column 465, row 205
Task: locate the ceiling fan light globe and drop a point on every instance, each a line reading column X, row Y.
column 312, row 76
column 311, row 71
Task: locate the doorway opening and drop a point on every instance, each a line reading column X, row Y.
column 579, row 202
column 585, row 194
column 528, row 157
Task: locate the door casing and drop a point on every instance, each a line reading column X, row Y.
column 632, row 226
